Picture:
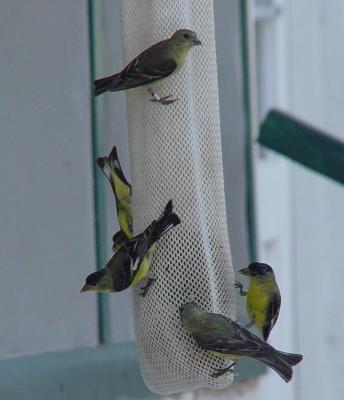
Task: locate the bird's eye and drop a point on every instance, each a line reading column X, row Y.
column 186, row 35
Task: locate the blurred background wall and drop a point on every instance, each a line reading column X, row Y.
column 47, row 236
column 47, row 219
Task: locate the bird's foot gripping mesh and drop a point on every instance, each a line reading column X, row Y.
column 175, row 153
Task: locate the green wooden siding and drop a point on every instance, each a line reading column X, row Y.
column 303, row 143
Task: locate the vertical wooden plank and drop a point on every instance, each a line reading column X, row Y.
column 46, row 219
column 315, row 63
column 272, row 184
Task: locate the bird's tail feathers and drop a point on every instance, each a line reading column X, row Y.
column 104, row 164
column 167, row 220
column 111, row 164
column 290, row 358
column 103, row 85
column 283, row 369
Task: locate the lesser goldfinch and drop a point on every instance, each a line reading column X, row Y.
column 154, row 64
column 229, row 340
column 131, row 263
column 263, row 300
column 121, row 188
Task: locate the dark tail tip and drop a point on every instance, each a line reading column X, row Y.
column 291, row 358
column 166, row 221
column 101, row 161
column 283, row 369
column 101, row 86
column 169, row 207
column 113, row 156
column 115, row 165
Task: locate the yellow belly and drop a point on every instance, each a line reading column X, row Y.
column 258, row 298
column 144, row 267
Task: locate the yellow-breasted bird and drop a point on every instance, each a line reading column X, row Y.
column 130, row 263
column 121, row 188
column 263, row 300
column 154, row 64
column 229, row 340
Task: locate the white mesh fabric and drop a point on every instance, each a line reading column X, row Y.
column 175, row 153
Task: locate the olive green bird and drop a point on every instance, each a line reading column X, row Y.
column 121, row 188
column 263, row 300
column 131, row 262
column 154, row 64
column 229, row 340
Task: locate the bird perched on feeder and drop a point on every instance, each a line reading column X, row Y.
column 151, row 66
column 263, row 300
column 131, row 262
column 121, row 188
column 230, row 341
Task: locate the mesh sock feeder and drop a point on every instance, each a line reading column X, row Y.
column 175, row 153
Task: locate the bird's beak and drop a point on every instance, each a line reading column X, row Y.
column 197, row 42
column 244, row 271
column 86, row 288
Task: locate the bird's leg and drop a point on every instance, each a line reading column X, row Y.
column 221, row 371
column 144, row 289
column 162, row 100
column 240, row 286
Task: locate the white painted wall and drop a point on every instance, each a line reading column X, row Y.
column 46, row 207
column 316, row 61
column 300, row 214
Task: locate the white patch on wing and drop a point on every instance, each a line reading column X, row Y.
column 135, row 265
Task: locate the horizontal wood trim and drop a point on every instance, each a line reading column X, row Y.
column 104, row 372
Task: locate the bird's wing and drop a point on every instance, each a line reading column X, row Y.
column 137, row 248
column 227, row 336
column 126, row 261
column 146, row 68
column 226, row 344
column 119, row 266
column 272, row 314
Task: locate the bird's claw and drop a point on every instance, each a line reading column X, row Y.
column 162, row 100
column 144, row 289
column 221, row 371
column 239, row 285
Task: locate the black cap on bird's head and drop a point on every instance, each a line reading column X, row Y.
column 92, row 281
column 256, row 269
column 186, row 36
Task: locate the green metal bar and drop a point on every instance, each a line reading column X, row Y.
column 105, row 372
column 250, row 205
column 304, row 144
column 97, row 109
